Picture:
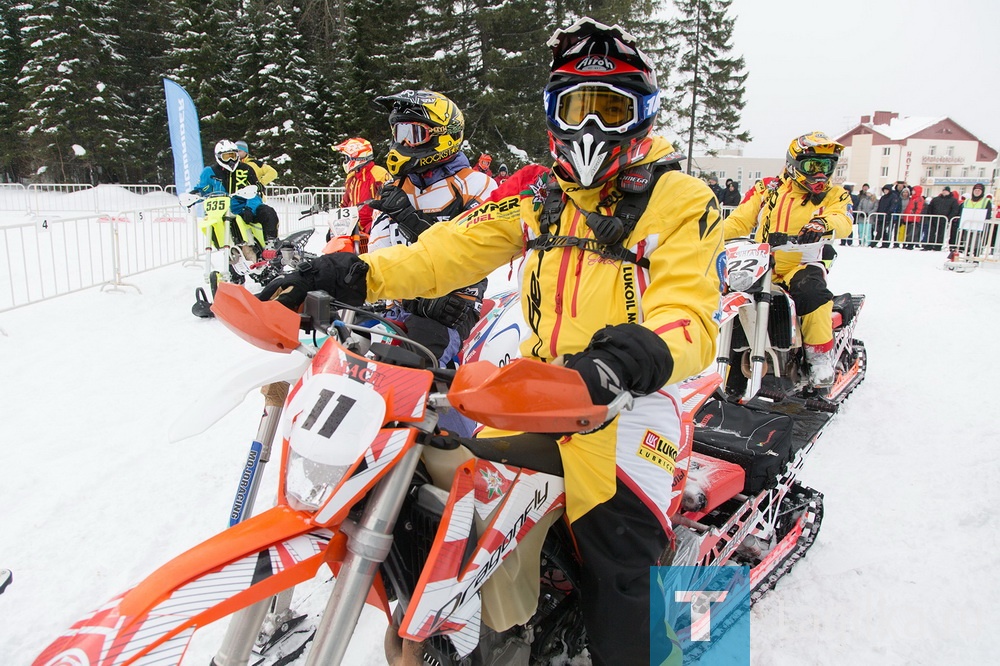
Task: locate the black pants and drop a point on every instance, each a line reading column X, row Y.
column 265, row 216
column 619, row 541
column 808, row 290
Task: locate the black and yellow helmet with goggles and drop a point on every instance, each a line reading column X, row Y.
column 812, row 159
column 427, row 130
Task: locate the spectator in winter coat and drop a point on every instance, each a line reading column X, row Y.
column 913, row 217
column 502, row 174
column 731, row 195
column 866, row 206
column 886, row 223
column 973, row 239
column 713, row 184
column 854, row 204
column 265, row 172
column 940, row 212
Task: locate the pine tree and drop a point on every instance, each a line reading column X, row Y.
column 72, row 117
column 138, row 78
column 708, row 95
column 204, row 46
column 503, row 100
column 12, row 59
column 281, row 92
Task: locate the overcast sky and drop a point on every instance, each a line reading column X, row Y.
column 822, row 65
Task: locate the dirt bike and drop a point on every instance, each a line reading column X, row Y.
column 343, row 230
column 286, row 256
column 760, row 343
column 355, row 493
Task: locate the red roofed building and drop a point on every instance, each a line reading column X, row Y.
column 932, row 152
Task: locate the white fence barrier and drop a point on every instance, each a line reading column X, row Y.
column 59, row 239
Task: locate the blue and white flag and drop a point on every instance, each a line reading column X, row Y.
column 185, row 136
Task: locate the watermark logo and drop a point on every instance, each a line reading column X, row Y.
column 700, row 615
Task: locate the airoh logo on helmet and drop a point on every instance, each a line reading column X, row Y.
column 595, row 63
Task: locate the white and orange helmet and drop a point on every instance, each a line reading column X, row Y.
column 357, row 152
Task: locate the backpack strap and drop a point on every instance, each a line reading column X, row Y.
column 636, row 184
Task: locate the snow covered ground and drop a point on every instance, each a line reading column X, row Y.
column 94, row 497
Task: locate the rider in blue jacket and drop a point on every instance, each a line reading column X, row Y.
column 230, row 176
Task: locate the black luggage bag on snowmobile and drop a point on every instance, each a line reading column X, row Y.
column 757, row 441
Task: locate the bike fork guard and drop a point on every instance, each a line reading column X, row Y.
column 446, row 599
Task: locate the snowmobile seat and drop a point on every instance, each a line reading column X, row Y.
column 535, row 451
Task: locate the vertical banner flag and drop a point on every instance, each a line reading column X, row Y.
column 185, row 136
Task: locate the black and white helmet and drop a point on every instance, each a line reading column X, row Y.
column 227, row 155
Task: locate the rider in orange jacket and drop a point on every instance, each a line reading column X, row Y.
column 364, row 178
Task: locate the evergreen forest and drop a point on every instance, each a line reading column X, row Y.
column 81, row 92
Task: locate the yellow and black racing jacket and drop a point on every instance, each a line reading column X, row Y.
column 780, row 205
column 568, row 292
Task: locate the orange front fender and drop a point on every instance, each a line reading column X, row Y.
column 241, row 566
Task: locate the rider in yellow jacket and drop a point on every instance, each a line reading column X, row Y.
column 625, row 295
column 804, row 204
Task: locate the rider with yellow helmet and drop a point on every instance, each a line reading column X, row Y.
column 802, row 202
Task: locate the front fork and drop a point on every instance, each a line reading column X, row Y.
column 367, row 547
column 758, row 346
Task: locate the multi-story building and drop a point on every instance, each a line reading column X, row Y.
column 730, row 164
column 931, row 152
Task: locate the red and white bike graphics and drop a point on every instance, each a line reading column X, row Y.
column 354, row 496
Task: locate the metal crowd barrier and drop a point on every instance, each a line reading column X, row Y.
column 57, row 256
column 323, row 196
column 927, row 232
column 78, row 236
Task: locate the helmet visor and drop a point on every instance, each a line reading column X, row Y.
column 411, row 134
column 613, row 109
column 816, row 165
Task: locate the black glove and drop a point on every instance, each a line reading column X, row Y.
column 448, row 310
column 341, row 274
column 394, row 202
column 626, row 357
column 812, row 231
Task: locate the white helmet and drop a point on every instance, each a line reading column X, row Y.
column 227, row 155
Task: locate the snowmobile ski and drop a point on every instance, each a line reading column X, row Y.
column 6, row 578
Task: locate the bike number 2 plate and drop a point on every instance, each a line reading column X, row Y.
column 750, row 257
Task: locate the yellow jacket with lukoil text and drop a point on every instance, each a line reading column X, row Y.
column 781, row 205
column 568, row 294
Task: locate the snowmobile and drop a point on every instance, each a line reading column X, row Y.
column 760, row 342
column 343, row 229
column 355, row 492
